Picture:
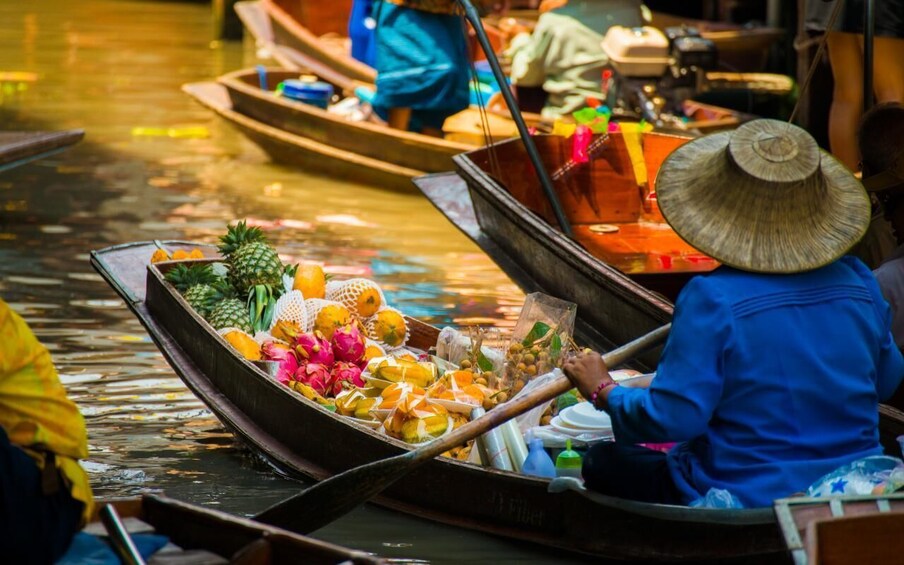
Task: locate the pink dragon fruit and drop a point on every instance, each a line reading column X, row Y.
column 314, row 375
column 314, row 348
column 273, row 351
column 345, row 373
column 288, row 366
column 348, row 344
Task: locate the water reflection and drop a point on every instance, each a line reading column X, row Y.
column 156, row 165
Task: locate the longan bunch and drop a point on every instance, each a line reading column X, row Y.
column 523, row 363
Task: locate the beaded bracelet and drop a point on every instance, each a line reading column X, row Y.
column 602, row 386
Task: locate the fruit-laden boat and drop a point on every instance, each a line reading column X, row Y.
column 20, row 147
column 304, row 439
column 209, row 536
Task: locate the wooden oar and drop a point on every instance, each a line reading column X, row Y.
column 326, row 501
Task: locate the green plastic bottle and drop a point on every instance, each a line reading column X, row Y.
column 568, row 463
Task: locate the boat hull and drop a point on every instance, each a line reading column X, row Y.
column 303, row 439
column 378, row 142
column 304, row 153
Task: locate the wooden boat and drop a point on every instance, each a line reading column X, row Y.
column 194, row 528
column 319, row 29
column 621, row 281
column 304, row 439
column 376, row 141
column 20, row 147
column 844, row 530
column 288, row 148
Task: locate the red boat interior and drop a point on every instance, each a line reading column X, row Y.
column 610, row 203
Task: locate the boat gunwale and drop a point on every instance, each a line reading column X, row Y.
column 233, row 80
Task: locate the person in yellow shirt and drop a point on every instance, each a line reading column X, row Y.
column 44, row 492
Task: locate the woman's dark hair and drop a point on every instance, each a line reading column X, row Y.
column 881, row 137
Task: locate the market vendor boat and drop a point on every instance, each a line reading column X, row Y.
column 202, row 535
column 303, row 439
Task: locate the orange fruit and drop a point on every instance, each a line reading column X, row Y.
column 310, row 280
column 368, row 302
column 331, row 317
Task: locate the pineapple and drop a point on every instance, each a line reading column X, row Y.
column 199, row 285
column 251, row 259
column 230, row 313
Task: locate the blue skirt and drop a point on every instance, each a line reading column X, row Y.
column 422, row 64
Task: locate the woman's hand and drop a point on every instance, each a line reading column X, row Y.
column 587, row 371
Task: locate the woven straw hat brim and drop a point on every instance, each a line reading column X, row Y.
column 757, row 225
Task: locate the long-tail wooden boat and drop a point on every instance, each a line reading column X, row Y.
column 20, row 147
column 194, row 528
column 304, row 439
column 288, row 148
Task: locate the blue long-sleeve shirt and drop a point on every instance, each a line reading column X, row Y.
column 767, row 381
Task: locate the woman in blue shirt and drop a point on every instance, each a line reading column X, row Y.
column 777, row 360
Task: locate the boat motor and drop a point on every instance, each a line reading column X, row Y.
column 656, row 72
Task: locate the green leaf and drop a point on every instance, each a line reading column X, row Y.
column 484, row 363
column 539, row 330
column 290, row 270
column 566, row 400
column 555, row 346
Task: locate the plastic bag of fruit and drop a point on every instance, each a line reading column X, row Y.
column 415, row 420
column 540, row 341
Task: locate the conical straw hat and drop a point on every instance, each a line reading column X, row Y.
column 763, row 198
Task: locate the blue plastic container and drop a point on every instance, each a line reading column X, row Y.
column 538, row 462
column 314, row 93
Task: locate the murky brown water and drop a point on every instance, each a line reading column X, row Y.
column 156, row 165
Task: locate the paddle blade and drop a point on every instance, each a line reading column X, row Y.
column 328, row 500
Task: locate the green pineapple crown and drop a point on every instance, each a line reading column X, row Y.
column 239, row 235
column 184, row 277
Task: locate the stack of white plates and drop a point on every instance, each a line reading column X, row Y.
column 582, row 418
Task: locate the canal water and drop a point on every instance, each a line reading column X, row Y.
column 154, row 165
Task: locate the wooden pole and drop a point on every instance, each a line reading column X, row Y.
column 227, row 24
column 869, row 30
column 532, row 153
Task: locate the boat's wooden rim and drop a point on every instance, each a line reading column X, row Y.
column 358, row 70
column 235, row 80
column 21, row 147
column 214, row 96
column 106, row 262
column 154, row 509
